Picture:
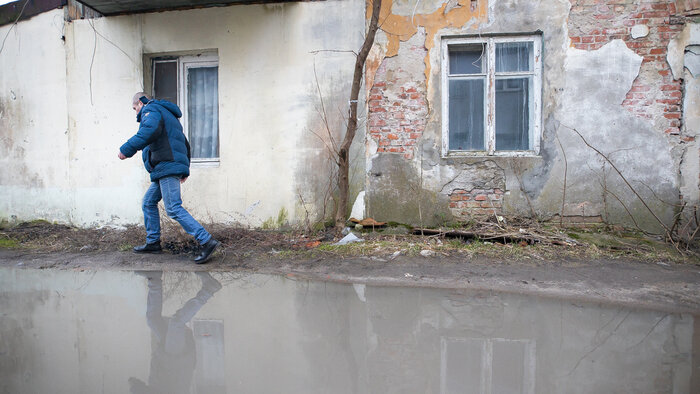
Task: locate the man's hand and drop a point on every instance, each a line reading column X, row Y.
column 121, row 156
column 183, row 179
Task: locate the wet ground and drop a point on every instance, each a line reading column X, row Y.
column 84, row 326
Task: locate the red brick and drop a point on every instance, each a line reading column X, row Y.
column 640, row 88
column 655, row 14
column 604, row 16
column 672, row 116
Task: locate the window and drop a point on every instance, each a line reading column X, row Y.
column 487, row 365
column 192, row 82
column 491, row 89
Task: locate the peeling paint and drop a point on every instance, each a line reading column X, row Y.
column 676, row 48
column 400, row 27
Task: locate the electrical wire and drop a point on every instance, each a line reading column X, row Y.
column 13, row 25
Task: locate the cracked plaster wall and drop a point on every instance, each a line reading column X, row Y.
column 72, row 111
column 683, row 57
column 584, row 89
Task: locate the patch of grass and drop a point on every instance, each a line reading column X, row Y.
column 125, row 247
column 8, row 243
column 281, row 221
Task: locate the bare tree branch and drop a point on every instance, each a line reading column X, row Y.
column 668, row 231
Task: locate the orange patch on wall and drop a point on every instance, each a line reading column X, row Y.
column 400, row 28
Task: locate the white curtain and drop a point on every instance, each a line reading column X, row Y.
column 203, row 111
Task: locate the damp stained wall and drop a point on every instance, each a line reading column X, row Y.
column 66, row 110
column 34, row 179
column 614, row 88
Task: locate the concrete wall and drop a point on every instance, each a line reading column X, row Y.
column 613, row 87
column 270, row 157
column 34, row 176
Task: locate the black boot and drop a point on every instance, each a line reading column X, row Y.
column 149, row 248
column 207, row 250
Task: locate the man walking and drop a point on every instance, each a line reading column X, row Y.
column 166, row 156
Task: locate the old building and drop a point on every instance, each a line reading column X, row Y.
column 583, row 110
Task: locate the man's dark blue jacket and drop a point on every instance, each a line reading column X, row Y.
column 166, row 151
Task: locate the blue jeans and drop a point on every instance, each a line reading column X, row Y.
column 168, row 189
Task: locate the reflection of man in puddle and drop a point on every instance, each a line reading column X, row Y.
column 172, row 342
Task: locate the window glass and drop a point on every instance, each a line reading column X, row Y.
column 466, row 114
column 467, row 59
column 512, row 113
column 514, row 56
column 203, row 111
column 165, row 80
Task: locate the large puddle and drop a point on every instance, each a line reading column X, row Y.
column 125, row 332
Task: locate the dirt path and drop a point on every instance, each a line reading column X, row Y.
column 655, row 285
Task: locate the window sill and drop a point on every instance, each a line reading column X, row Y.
column 204, row 163
column 484, row 154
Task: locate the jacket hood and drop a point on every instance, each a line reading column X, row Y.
column 172, row 108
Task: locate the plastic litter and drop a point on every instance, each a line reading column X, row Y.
column 350, row 238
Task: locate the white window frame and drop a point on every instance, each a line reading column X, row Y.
column 489, row 43
column 184, row 63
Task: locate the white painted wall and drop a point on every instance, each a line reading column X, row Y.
column 72, row 112
column 34, row 176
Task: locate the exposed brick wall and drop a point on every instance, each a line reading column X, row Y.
column 466, row 203
column 654, row 94
column 396, row 123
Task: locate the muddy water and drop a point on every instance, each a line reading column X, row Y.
column 125, row 332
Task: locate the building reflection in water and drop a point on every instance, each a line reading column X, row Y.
column 273, row 334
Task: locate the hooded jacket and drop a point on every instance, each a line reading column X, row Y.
column 166, row 151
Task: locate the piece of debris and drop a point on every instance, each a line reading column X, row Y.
column 427, row 253
column 368, row 222
column 350, row 238
column 395, row 254
column 312, row 244
column 662, row 263
column 408, row 275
